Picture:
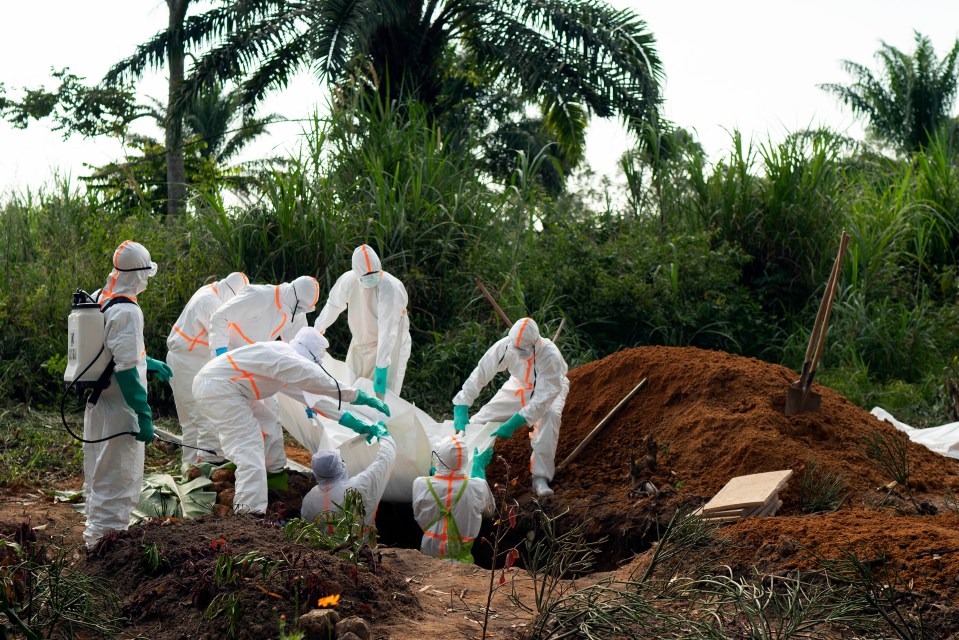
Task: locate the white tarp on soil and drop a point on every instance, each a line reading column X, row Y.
column 413, row 429
column 943, row 439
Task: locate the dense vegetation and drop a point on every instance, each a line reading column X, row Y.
column 731, row 256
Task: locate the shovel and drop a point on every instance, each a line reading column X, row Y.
column 800, row 398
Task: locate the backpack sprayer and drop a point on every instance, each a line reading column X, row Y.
column 89, row 361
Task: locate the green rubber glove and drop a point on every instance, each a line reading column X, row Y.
column 136, row 396
column 350, row 421
column 480, row 461
column 379, row 431
column 365, row 399
column 160, row 368
column 508, row 428
column 379, row 380
column 461, row 416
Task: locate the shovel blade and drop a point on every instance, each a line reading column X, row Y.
column 799, row 402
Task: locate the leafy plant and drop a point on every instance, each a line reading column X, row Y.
column 821, row 489
column 552, row 556
column 890, row 453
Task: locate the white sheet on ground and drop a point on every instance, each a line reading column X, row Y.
column 943, row 439
column 413, row 430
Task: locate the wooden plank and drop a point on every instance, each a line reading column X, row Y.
column 748, row 491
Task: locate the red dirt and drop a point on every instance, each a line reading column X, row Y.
column 715, row 416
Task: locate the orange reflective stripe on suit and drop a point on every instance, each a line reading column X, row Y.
column 193, row 341
column 246, row 375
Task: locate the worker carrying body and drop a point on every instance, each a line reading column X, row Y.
column 378, row 321
column 449, row 506
column 333, row 480
column 113, row 470
column 189, row 350
column 231, row 391
column 534, row 395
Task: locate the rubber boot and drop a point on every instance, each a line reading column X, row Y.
column 277, row 480
column 541, row 487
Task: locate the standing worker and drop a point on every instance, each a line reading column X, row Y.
column 231, row 391
column 449, row 506
column 261, row 313
column 333, row 480
column 189, row 350
column 534, row 395
column 113, row 470
column 378, row 320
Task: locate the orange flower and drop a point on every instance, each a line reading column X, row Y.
column 329, row 601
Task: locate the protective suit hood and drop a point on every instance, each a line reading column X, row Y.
column 328, row 466
column 300, row 296
column 310, row 343
column 524, row 335
column 230, row 286
column 132, row 267
column 451, row 453
column 365, row 261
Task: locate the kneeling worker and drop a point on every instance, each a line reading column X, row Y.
column 231, row 390
column 333, row 480
column 534, row 395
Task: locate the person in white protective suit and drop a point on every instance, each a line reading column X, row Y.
column 113, row 470
column 333, row 480
column 189, row 350
column 261, row 313
column 231, row 391
column 450, row 505
column 378, row 321
column 534, row 395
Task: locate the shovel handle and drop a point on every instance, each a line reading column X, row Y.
column 499, row 310
column 831, row 296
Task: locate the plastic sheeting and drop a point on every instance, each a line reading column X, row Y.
column 413, row 430
column 943, row 439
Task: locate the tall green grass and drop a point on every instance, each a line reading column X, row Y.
column 731, row 256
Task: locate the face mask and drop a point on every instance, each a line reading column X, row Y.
column 142, row 279
column 370, row 280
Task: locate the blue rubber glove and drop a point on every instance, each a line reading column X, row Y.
column 135, row 395
column 310, row 413
column 365, row 399
column 160, row 368
column 220, row 351
column 461, row 416
column 508, row 428
column 350, row 421
column 379, row 380
column 480, row 462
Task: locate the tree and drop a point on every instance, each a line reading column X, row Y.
column 571, row 58
column 910, row 98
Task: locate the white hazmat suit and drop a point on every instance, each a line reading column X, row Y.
column 333, row 480
column 264, row 312
column 378, row 319
column 113, row 470
column 189, row 350
column 536, row 390
column 449, row 506
column 231, row 390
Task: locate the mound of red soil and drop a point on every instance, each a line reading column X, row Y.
column 172, row 594
column 715, row 416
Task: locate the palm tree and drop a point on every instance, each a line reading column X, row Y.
column 572, row 58
column 217, row 118
column 911, row 97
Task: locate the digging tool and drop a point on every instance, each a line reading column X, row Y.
column 562, row 323
column 499, row 309
column 598, row 427
column 800, row 398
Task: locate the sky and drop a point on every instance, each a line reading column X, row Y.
column 751, row 65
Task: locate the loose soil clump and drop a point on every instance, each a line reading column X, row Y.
column 714, row 416
column 173, row 575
